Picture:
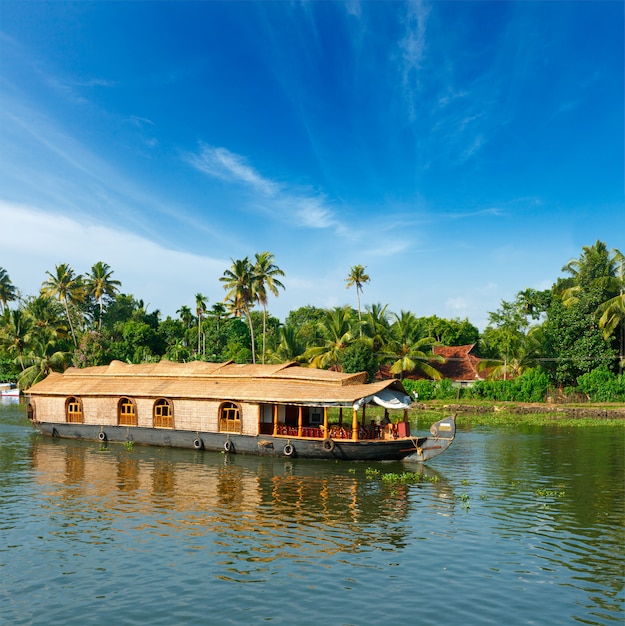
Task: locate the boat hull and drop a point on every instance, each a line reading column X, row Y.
column 347, row 450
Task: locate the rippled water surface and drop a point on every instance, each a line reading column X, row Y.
column 511, row 525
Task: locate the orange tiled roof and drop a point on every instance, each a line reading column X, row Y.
column 460, row 364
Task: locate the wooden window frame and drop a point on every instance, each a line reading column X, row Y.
column 71, row 404
column 230, row 418
column 128, row 418
column 158, row 419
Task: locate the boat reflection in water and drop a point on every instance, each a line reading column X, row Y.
column 267, row 504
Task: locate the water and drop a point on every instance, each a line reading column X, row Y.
column 511, row 525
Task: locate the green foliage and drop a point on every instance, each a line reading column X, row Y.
column 238, row 344
column 431, row 389
column 359, row 357
column 531, row 386
column 450, row 332
column 573, row 343
column 602, row 385
column 9, row 370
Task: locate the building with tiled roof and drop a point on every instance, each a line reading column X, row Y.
column 460, row 366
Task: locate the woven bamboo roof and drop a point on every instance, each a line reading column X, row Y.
column 286, row 383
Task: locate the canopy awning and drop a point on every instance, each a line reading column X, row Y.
column 388, row 398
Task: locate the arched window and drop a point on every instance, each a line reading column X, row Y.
column 73, row 410
column 127, row 412
column 163, row 414
column 31, row 412
column 229, row 418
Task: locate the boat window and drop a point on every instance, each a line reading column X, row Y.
column 163, row 414
column 30, row 411
column 127, row 412
column 73, row 410
column 229, row 418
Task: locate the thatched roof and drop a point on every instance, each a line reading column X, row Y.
column 286, row 383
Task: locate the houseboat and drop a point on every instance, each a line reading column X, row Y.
column 278, row 410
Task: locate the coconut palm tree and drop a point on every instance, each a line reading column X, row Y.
column 7, row 290
column 39, row 363
column 611, row 313
column 240, row 285
column 68, row 288
column 376, row 326
column 357, row 277
column 407, row 351
column 200, row 309
column 186, row 315
column 99, row 284
column 290, row 347
column 265, row 272
column 16, row 328
column 337, row 330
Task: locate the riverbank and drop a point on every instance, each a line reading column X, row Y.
column 604, row 411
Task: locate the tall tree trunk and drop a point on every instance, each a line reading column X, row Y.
column 71, row 326
column 249, row 321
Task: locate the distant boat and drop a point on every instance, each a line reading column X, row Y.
column 274, row 410
column 9, row 390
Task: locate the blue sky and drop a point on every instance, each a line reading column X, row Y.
column 460, row 151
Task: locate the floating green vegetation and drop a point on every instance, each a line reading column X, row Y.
column 549, row 493
column 466, row 501
column 404, row 478
column 129, row 445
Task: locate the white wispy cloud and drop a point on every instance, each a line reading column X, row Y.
column 296, row 205
column 226, row 165
column 173, row 276
column 412, row 48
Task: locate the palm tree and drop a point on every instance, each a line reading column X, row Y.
column 99, row 284
column 200, row 309
column 337, row 332
column 68, row 288
column 15, row 331
column 37, row 365
column 240, row 285
column 376, row 326
column 265, row 272
column 47, row 316
column 407, row 351
column 612, row 312
column 357, row 277
column 186, row 315
column 290, row 347
column 7, row 290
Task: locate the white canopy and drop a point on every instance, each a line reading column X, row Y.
column 388, row 398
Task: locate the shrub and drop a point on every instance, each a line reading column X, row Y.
column 602, row 385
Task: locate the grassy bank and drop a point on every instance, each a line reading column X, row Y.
column 476, row 412
column 488, row 413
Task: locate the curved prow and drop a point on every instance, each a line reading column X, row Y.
column 443, row 433
column 445, row 428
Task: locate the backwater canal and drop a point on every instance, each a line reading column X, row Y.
column 512, row 525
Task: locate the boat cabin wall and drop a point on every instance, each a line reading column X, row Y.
column 188, row 414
